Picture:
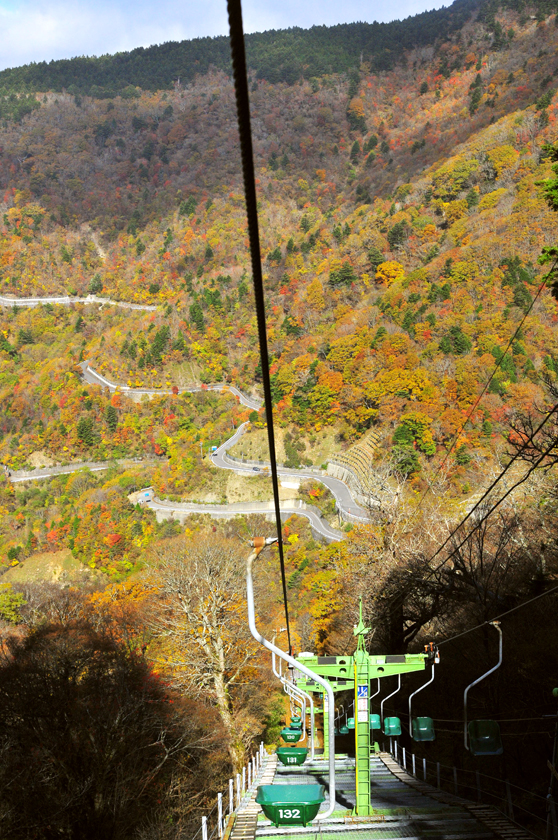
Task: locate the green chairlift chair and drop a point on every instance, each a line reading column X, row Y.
column 291, row 736
column 392, row 725
column 482, row 737
column 290, row 804
column 422, row 728
column 292, row 755
column 343, row 729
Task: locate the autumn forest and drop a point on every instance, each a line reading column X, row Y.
column 407, row 181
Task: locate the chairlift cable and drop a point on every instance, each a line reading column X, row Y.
column 487, row 383
column 498, row 617
column 489, row 490
column 238, row 55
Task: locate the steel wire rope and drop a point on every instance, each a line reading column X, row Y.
column 549, row 718
column 496, row 796
column 238, row 56
column 507, row 816
column 489, row 380
column 508, row 735
column 498, row 617
column 506, row 468
column 489, row 491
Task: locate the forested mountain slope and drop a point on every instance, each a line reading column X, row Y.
column 402, row 216
column 401, row 224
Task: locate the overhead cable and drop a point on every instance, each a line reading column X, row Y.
column 487, row 383
column 487, row 492
column 238, row 55
column 498, row 617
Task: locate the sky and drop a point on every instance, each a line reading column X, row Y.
column 42, row 30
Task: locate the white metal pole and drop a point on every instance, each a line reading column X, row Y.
column 431, row 680
column 388, row 697
column 289, row 687
column 260, row 543
column 249, row 775
column 243, row 780
column 231, row 796
column 220, row 813
column 496, row 625
column 237, row 790
column 204, row 828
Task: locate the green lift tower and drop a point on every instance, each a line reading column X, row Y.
column 356, row 673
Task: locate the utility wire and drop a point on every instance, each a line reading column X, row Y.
column 238, row 55
column 487, row 384
column 498, row 617
column 490, row 489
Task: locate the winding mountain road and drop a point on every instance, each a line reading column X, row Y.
column 68, row 300
column 94, row 378
column 346, row 505
column 181, row 510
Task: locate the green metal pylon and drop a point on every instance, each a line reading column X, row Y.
column 362, row 720
column 354, row 673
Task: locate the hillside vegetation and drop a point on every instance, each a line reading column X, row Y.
column 401, row 174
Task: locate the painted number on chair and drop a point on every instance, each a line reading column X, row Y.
column 291, row 759
column 289, row 813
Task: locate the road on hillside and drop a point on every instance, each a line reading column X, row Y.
column 67, row 300
column 180, row 510
column 343, row 496
column 346, row 504
column 94, row 378
column 17, row 476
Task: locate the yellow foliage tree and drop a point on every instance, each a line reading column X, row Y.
column 502, row 158
column 389, row 272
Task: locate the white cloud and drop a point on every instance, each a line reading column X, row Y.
column 259, row 16
column 41, row 31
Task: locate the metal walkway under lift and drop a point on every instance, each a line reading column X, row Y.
column 403, row 807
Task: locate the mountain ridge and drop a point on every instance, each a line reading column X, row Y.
column 274, row 55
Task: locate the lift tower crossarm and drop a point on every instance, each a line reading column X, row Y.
column 355, row 673
column 339, row 670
